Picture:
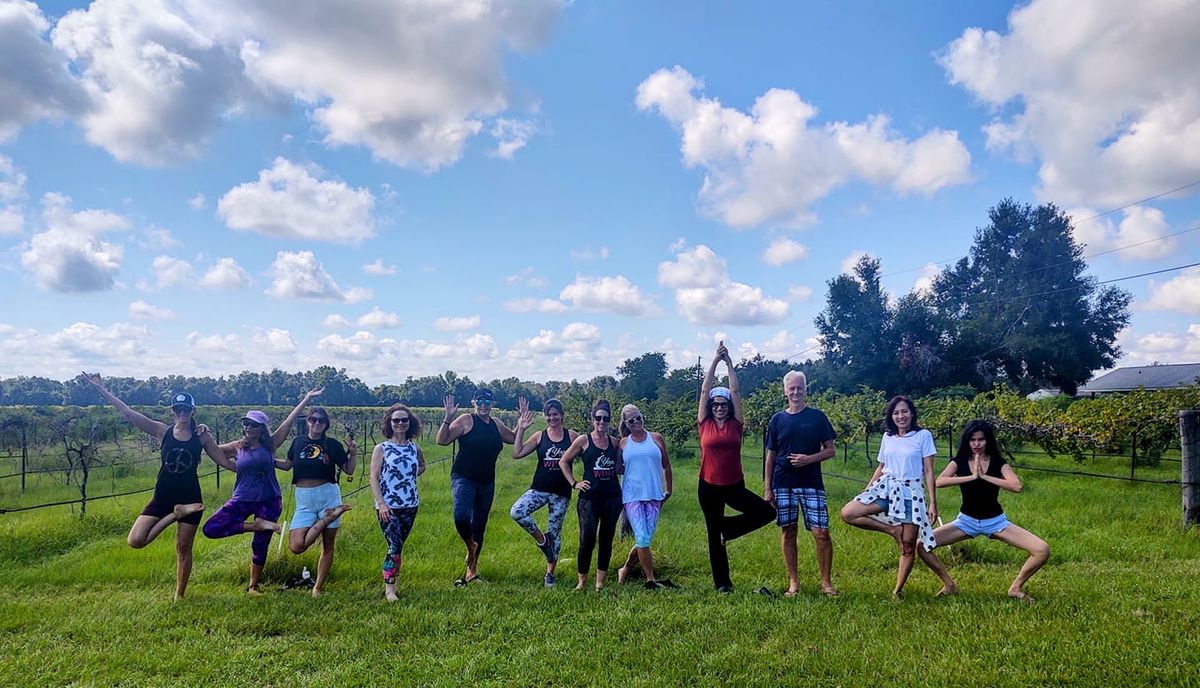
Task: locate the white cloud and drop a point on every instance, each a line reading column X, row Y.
column 11, row 221
column 526, row 277
column 705, row 294
column 924, row 283
column 157, row 81
column 611, row 294
column 216, row 348
column 377, row 319
column 783, row 251
column 1160, row 347
column 463, row 324
column 359, row 294
column 1101, row 93
column 376, row 267
column 361, row 346
column 770, row 165
column 531, row 305
column 69, row 256
column 157, row 238
column 299, row 275
column 275, row 341
column 410, row 81
column 290, row 201
column 225, row 274
column 172, row 272
column 197, row 202
column 799, row 293
column 12, row 179
column 97, row 342
column 334, row 321
column 140, row 310
column 35, row 81
column 511, row 135
column 1143, row 231
column 848, row 263
column 1180, row 294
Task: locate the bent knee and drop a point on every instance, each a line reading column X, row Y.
column 297, row 547
column 1040, row 551
column 908, row 548
column 136, row 542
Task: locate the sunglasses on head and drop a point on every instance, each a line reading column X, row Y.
column 601, row 418
column 400, row 420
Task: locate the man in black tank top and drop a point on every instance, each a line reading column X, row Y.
column 480, row 438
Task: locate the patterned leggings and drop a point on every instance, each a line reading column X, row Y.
column 522, row 512
column 396, row 531
column 642, row 516
column 231, row 520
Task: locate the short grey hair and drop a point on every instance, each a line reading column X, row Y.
column 794, row 374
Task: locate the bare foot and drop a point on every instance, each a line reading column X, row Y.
column 253, row 590
column 1022, row 596
column 334, row 513
column 622, row 574
column 262, row 524
column 790, row 592
column 316, row 592
column 185, row 510
column 389, row 592
column 897, row 595
column 581, row 586
column 947, row 590
column 829, row 591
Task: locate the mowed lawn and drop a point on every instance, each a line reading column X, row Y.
column 1119, row 603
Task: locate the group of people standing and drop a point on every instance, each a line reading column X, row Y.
column 625, row 473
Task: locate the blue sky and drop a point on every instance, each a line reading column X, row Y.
column 542, row 189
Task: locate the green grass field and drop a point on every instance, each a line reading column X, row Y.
column 1119, row 602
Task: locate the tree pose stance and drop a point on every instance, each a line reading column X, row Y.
column 549, row 488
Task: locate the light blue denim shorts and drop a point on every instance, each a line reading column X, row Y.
column 886, row 504
column 974, row 527
column 311, row 503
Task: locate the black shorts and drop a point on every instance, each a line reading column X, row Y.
column 163, row 502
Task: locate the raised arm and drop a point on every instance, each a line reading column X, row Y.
column 710, row 377
column 521, row 446
column 215, row 452
column 452, row 428
column 507, row 436
column 139, row 421
column 285, row 428
column 733, row 388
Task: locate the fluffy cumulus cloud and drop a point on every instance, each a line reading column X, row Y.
column 1160, row 347
column 377, row 267
column 225, row 274
column 140, row 310
column 770, row 165
column 532, row 305
column 292, row 202
column 378, row 319
column 12, row 190
column 171, row 272
column 1102, row 94
column 70, row 256
column 299, row 275
column 1141, row 234
column 157, row 79
column 275, row 341
column 783, row 250
column 924, row 282
column 705, row 294
column 34, row 79
column 333, row 321
column 609, row 294
column 100, row 343
column 460, row 324
column 1180, row 294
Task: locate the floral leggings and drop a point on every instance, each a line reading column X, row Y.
column 395, row 531
column 522, row 512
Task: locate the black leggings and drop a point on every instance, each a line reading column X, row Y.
column 597, row 515
column 756, row 513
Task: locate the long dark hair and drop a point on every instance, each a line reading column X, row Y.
column 264, row 440
column 891, row 424
column 990, row 446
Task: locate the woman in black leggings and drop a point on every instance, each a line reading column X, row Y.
column 599, row 505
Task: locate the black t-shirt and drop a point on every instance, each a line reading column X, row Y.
column 600, row 470
column 980, row 499
column 548, row 477
column 316, row 459
column 177, row 480
column 477, row 451
column 798, row 433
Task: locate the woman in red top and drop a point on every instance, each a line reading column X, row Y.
column 719, row 420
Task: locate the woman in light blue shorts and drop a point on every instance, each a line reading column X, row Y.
column 980, row 472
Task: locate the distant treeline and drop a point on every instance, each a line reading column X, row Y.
column 644, row 377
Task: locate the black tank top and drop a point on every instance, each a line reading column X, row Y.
column 600, row 469
column 177, row 473
column 548, row 477
column 980, row 499
column 477, row 452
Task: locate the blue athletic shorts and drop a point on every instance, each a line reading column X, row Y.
column 311, row 503
column 790, row 502
column 974, row 527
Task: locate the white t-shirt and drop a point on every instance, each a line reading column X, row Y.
column 903, row 456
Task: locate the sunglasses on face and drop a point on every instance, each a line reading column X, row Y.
column 315, row 420
column 634, row 419
column 247, row 424
column 397, row 421
column 601, row 419
column 483, row 402
column 720, row 405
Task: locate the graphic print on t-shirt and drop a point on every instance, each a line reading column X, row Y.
column 553, row 454
column 313, row 452
column 606, row 467
column 178, row 460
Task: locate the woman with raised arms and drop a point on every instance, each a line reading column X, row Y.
column 256, row 495
column 599, row 504
column 980, row 473
column 395, row 465
column 177, row 496
column 549, row 487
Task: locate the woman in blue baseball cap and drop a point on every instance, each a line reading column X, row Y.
column 257, row 501
column 177, row 490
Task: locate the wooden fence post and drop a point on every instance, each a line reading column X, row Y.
column 1189, row 444
column 24, row 456
column 1133, row 455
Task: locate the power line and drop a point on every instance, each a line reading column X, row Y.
column 1073, row 288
